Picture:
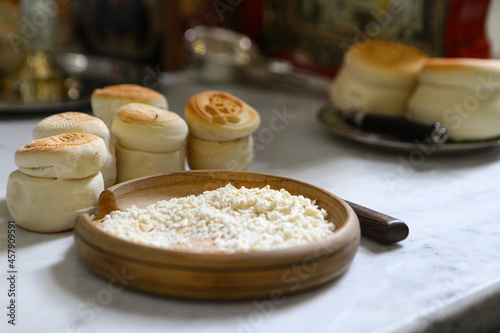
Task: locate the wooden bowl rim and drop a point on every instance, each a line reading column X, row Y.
column 340, row 240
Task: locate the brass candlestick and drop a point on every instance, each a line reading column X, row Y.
column 38, row 80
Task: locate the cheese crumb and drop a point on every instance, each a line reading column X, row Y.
column 230, row 219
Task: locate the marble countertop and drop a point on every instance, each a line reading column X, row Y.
column 444, row 278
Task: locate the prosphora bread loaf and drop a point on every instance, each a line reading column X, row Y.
column 58, row 177
column 149, row 141
column 220, row 131
column 233, row 155
column 377, row 76
column 136, row 163
column 84, row 123
column 49, row 204
column 106, row 101
column 220, row 116
column 71, row 122
column 148, row 128
column 64, row 156
column 460, row 72
column 462, row 94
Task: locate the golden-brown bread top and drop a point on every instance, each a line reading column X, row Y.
column 70, row 122
column 148, row 128
column 385, row 62
column 132, row 92
column 70, row 117
column 461, row 72
column 147, row 115
column 61, row 142
column 66, row 156
column 106, row 101
column 220, row 116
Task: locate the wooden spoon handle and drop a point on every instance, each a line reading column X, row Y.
column 379, row 227
column 106, row 203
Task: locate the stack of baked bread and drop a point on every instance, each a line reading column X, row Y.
column 377, row 77
column 220, row 131
column 149, row 141
column 462, row 94
column 393, row 79
column 57, row 178
column 76, row 155
column 67, row 122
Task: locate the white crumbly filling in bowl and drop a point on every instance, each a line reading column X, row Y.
column 236, row 220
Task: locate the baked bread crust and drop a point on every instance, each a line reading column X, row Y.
column 220, row 116
column 71, row 122
column 385, row 62
column 106, row 101
column 459, row 72
column 377, row 77
column 64, row 156
column 148, row 128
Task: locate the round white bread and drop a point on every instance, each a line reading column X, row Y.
column 388, row 69
column 71, row 122
column 233, row 155
column 465, row 114
column 80, row 122
column 460, row 93
column 131, row 164
column 64, row 156
column 385, row 62
column 51, row 205
column 461, row 72
column 148, row 128
column 219, row 116
column 351, row 93
column 106, row 101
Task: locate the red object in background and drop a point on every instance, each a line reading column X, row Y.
column 252, row 20
column 465, row 34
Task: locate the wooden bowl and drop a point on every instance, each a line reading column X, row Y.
column 209, row 275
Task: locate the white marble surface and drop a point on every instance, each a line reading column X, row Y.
column 444, row 278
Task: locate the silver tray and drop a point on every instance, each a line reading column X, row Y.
column 91, row 72
column 330, row 117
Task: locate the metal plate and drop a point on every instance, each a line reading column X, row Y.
column 91, row 72
column 329, row 116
